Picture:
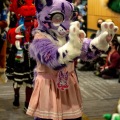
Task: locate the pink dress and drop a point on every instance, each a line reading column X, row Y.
column 56, row 94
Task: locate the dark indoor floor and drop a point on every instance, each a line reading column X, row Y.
column 99, row 96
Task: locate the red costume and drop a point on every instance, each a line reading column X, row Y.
column 19, row 65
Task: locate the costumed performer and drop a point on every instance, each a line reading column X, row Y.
column 3, row 42
column 57, row 43
column 19, row 64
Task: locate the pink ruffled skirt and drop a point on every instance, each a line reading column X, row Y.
column 48, row 102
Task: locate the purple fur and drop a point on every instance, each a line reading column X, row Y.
column 39, row 6
column 62, row 6
column 46, row 52
column 87, row 54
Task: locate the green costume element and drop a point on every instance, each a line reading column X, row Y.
column 114, row 5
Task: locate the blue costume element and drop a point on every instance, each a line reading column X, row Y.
column 20, row 22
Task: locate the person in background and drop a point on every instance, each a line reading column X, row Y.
column 78, row 16
column 83, row 13
column 3, row 42
column 109, row 70
column 90, row 66
column 19, row 64
column 99, row 21
column 100, row 61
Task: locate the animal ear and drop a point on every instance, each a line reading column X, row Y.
column 49, row 2
column 70, row 1
column 39, row 4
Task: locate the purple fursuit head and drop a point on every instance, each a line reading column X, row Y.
column 54, row 15
column 54, row 18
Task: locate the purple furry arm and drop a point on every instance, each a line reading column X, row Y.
column 86, row 53
column 46, row 52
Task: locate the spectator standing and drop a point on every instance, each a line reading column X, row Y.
column 3, row 42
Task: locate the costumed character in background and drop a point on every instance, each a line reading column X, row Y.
column 99, row 22
column 3, row 42
column 57, row 43
column 114, row 5
column 114, row 116
column 19, row 65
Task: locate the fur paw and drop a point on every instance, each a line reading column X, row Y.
column 72, row 48
column 108, row 30
column 76, row 35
